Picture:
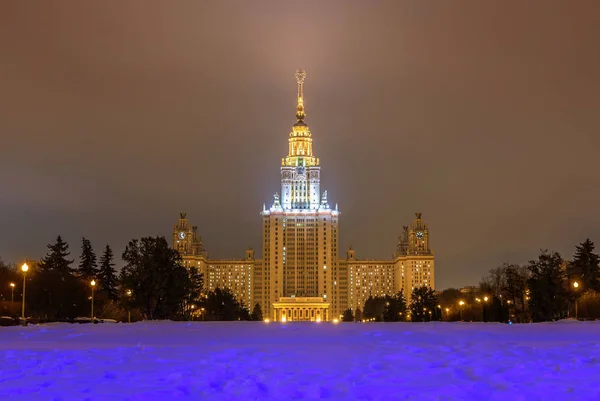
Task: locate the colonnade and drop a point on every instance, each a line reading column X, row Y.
column 301, row 309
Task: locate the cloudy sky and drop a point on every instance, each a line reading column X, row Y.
column 116, row 116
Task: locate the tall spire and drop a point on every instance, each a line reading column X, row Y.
column 300, row 75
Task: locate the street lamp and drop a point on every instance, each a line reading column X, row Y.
column 93, row 284
column 485, row 299
column 129, row 306
column 12, row 293
column 461, row 303
column 576, row 286
column 24, row 269
column 479, row 301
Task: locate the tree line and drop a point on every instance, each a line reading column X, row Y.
column 424, row 306
column 153, row 284
column 545, row 289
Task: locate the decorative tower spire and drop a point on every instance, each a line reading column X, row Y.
column 300, row 75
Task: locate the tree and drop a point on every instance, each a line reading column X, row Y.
column 547, row 284
column 495, row 287
column 586, row 266
column 449, row 299
column 395, row 308
column 347, row 316
column 107, row 276
column 423, row 304
column 221, row 305
column 243, row 312
column 256, row 313
column 158, row 281
column 515, row 289
column 495, row 281
column 374, row 308
column 88, row 269
column 56, row 293
column 195, row 287
column 56, row 259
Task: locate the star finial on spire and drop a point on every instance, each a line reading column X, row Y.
column 300, row 76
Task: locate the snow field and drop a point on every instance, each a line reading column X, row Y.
column 303, row 361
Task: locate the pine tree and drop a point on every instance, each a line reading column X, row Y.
column 88, row 268
column 196, row 283
column 154, row 273
column 586, row 266
column 374, row 308
column 423, row 304
column 108, row 275
column 395, row 308
column 59, row 293
column 222, row 305
column 515, row 288
column 548, row 288
column 56, row 259
column 348, row 316
column 256, row 313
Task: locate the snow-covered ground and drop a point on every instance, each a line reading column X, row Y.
column 259, row 361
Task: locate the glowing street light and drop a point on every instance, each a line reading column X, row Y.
column 576, row 286
column 461, row 303
column 479, row 301
column 129, row 306
column 93, row 285
column 24, row 269
column 12, row 292
column 192, row 307
column 485, row 299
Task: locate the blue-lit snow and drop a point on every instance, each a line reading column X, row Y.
column 308, row 361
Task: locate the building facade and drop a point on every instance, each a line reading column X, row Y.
column 300, row 276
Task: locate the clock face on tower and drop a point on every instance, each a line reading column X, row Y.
column 181, row 235
column 420, row 234
column 300, row 170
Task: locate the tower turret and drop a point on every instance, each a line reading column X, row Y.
column 300, row 171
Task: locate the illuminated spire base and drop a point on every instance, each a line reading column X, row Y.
column 300, row 171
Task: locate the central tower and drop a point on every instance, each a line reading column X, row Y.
column 300, row 169
column 300, row 233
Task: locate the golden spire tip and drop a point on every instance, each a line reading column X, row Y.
column 300, row 76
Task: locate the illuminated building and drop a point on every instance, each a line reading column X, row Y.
column 412, row 266
column 235, row 274
column 300, row 276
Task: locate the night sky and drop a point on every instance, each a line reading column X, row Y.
column 116, row 116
